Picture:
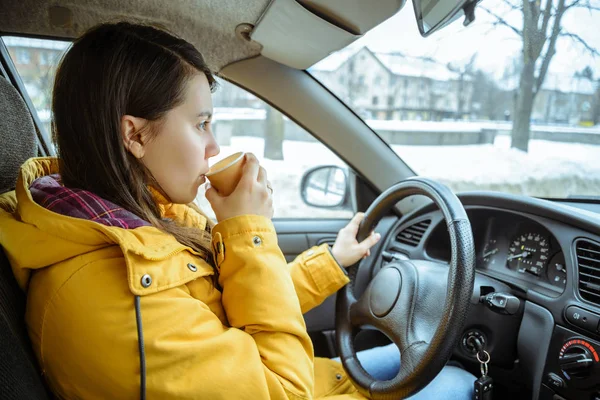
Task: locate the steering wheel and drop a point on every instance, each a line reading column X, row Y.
column 420, row 305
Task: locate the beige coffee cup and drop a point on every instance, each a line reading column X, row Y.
column 225, row 174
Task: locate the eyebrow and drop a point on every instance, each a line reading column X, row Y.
column 205, row 114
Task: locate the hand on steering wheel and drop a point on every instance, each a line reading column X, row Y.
column 346, row 249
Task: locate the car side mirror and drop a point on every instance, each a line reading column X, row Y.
column 325, row 187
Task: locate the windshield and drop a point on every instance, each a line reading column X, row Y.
column 469, row 107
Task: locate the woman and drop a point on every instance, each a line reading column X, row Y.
column 132, row 292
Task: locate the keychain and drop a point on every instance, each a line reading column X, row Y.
column 484, row 384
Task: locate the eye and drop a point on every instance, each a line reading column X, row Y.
column 203, row 126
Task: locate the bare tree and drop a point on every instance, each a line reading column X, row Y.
column 463, row 72
column 274, row 134
column 510, row 81
column 596, row 104
column 488, row 101
column 542, row 27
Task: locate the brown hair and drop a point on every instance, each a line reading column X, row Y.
column 118, row 69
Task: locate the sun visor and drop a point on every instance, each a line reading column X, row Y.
column 299, row 33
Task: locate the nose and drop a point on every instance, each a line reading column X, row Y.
column 212, row 149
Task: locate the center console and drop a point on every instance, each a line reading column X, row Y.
column 572, row 369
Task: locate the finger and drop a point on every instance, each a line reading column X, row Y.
column 270, row 187
column 355, row 223
column 251, row 169
column 262, row 176
column 357, row 219
column 370, row 241
column 212, row 195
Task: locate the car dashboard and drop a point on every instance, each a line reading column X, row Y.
column 547, row 255
column 509, row 246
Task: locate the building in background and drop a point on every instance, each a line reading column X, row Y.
column 381, row 86
column 566, row 100
column 394, row 86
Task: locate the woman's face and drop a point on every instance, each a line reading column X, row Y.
column 177, row 155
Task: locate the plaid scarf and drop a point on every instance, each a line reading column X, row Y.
column 49, row 193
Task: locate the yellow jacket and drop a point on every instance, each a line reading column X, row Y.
column 83, row 280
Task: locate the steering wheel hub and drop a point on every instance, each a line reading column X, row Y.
column 386, row 290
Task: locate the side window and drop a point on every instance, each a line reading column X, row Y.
column 243, row 122
column 36, row 61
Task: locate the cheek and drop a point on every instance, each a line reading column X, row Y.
column 176, row 161
column 189, row 155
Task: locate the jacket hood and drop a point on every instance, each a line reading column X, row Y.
column 44, row 223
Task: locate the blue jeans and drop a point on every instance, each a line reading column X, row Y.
column 452, row 383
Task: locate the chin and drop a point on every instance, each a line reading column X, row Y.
column 184, row 199
column 185, row 193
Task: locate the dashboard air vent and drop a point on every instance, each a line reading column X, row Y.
column 413, row 234
column 588, row 260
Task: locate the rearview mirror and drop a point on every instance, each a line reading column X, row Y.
column 433, row 15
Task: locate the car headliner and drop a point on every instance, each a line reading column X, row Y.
column 208, row 24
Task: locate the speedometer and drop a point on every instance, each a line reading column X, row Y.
column 528, row 253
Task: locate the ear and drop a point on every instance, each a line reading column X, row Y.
column 134, row 135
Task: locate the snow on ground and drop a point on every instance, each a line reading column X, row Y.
column 550, row 169
column 470, row 126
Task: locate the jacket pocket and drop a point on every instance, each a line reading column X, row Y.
column 331, row 379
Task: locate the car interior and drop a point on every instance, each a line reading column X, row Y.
column 518, row 275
